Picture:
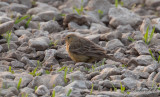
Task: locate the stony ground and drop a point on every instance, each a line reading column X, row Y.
column 34, row 62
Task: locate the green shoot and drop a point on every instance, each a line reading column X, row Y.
column 53, row 85
column 121, row 3
column 116, row 3
column 131, row 39
column 19, row 83
column 27, row 24
column 10, row 70
column 33, row 73
column 158, row 88
column 79, row 10
column 115, row 89
column 93, row 68
column 47, row 72
column 21, row 19
column 100, row 12
column 53, row 93
column 65, row 74
column 63, row 15
column 122, row 88
column 91, row 89
column 69, row 92
column 128, row 92
column 8, row 38
column 159, row 57
column 146, row 38
column 54, row 18
column 35, row 88
column 152, row 54
column 71, row 70
column 123, row 65
column 61, row 69
column 103, row 61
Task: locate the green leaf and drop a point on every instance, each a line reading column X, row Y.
column 91, row 89
column 35, row 88
column 158, row 58
column 131, row 39
column 65, row 74
column 151, row 36
column 152, row 54
column 69, row 92
column 21, row 19
column 19, row 83
column 28, row 22
column 62, row 68
column 53, row 93
column 146, row 35
column 116, row 3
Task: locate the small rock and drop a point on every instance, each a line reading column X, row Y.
column 50, row 26
column 7, row 26
column 122, row 16
column 42, row 90
column 111, row 36
column 18, row 8
column 77, row 75
column 153, row 3
column 77, row 84
column 130, row 83
column 40, row 43
column 22, row 32
column 7, row 75
column 125, row 28
column 26, row 2
column 17, row 64
column 101, row 29
column 113, row 44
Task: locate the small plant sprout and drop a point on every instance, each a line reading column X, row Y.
column 10, row 70
column 100, row 12
column 152, row 54
column 147, row 38
column 47, row 72
column 69, row 92
column 115, row 89
column 65, row 74
column 116, row 3
column 62, row 68
column 128, row 92
column 35, row 88
column 131, row 39
column 91, row 89
column 19, row 83
column 53, row 93
column 33, row 73
column 54, row 18
column 122, row 88
column 103, row 61
column 71, row 70
column 21, row 19
column 159, row 57
column 121, row 3
column 8, row 37
column 27, row 23
column 93, row 68
column 79, row 10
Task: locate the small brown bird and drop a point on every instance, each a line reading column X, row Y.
column 81, row 49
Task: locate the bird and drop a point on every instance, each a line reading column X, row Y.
column 81, row 49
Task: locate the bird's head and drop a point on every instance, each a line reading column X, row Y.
column 71, row 38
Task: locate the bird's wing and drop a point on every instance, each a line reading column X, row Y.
column 89, row 49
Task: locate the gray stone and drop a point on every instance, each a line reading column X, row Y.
column 130, row 3
column 42, row 90
column 156, row 23
column 101, row 29
column 49, row 15
column 50, row 26
column 95, row 5
column 157, row 77
column 75, row 26
column 18, row 8
column 152, row 3
column 113, row 44
column 7, row 75
column 111, row 35
column 3, row 4
column 17, row 64
column 22, row 32
column 145, row 24
column 130, row 83
column 11, row 91
column 49, row 53
column 7, row 26
column 40, row 43
column 26, row 79
column 4, row 19
column 26, row 2
column 94, row 38
column 77, row 75
column 125, row 28
column 141, row 48
column 122, row 16
column 77, row 84
column 27, row 90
